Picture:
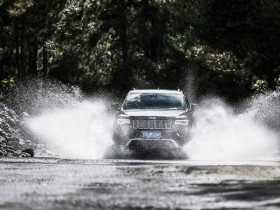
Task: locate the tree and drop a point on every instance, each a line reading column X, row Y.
column 225, row 48
column 249, row 29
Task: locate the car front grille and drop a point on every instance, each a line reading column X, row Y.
column 152, row 124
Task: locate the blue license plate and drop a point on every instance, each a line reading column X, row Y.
column 151, row 134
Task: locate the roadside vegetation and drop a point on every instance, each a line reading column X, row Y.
column 225, row 48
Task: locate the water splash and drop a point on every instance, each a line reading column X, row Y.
column 62, row 120
column 221, row 134
column 35, row 96
column 81, row 130
column 76, row 128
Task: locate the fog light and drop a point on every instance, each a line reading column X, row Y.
column 123, row 121
column 181, row 122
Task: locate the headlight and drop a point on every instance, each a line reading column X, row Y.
column 123, row 121
column 181, row 122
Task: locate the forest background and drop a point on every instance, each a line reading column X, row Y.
column 227, row 48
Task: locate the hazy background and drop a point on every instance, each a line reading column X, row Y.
column 227, row 48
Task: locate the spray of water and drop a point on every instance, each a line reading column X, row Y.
column 76, row 128
column 61, row 119
column 221, row 134
column 82, row 130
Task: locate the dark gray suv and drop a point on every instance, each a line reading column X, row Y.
column 153, row 119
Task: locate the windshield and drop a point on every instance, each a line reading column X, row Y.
column 154, row 101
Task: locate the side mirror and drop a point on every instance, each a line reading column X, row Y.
column 115, row 106
column 193, row 107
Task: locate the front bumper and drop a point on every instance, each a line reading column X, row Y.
column 145, row 144
column 133, row 134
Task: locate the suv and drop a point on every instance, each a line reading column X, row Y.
column 150, row 119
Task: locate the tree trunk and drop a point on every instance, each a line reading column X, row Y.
column 125, row 74
column 22, row 52
column 34, row 58
column 158, row 25
column 19, row 73
column 45, row 62
column 2, row 64
column 157, row 18
column 29, row 57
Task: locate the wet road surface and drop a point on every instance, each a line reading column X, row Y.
column 50, row 183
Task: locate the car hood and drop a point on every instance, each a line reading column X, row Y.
column 154, row 113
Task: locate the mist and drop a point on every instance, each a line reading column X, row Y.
column 83, row 130
column 222, row 134
column 76, row 127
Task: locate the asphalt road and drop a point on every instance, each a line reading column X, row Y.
column 49, row 183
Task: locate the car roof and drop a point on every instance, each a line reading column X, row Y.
column 155, row 91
